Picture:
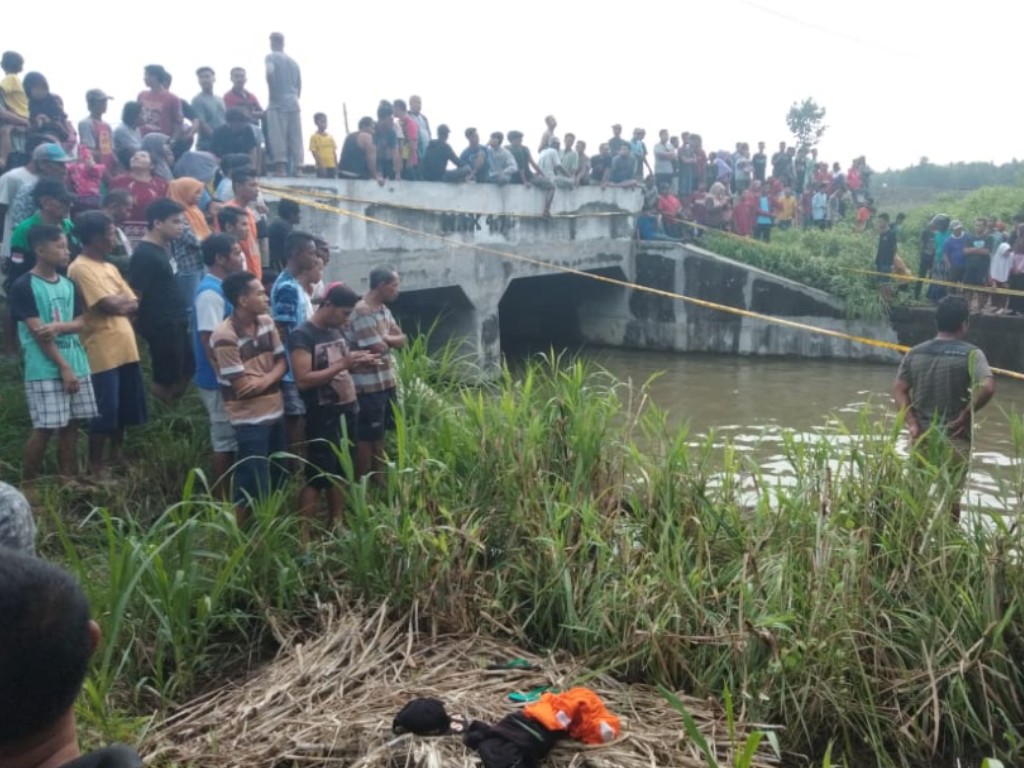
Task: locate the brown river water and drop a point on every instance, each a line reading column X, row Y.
column 750, row 402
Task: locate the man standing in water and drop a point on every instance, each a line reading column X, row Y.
column 940, row 385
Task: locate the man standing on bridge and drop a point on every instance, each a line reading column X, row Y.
column 939, row 387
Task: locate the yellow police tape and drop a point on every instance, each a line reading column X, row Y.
column 309, row 199
column 933, row 281
column 891, row 275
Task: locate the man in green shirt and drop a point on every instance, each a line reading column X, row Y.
column 58, row 387
column 53, row 201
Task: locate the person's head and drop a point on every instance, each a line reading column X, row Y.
column 234, row 221
column 276, row 41
column 604, row 149
column 957, row 228
column 472, row 137
column 570, row 141
column 96, row 101
column 48, row 637
column 50, row 246
column 883, row 221
column 782, row 146
column 323, row 250
column 952, row 315
column 159, row 147
column 96, row 232
column 616, row 130
column 118, row 203
column 415, row 104
column 17, row 523
column 385, row 112
column 443, row 132
column 154, row 76
column 366, row 123
column 581, row 146
column 222, row 254
column 980, row 225
column 131, row 114
column 639, row 133
column 206, row 78
column 320, row 121
column 515, row 138
column 141, row 161
column 12, row 62
column 663, row 188
column 624, row 150
column 289, row 211
column 245, row 293
column 384, row 282
column 336, row 305
column 400, row 107
column 245, row 184
column 550, row 122
column 315, row 273
column 166, row 219
column 52, row 199
column 50, row 160
column 900, row 217
column 234, row 161
column 238, row 78
column 300, row 252
column 496, row 139
column 237, row 120
column 35, row 85
column 554, row 143
column 663, row 135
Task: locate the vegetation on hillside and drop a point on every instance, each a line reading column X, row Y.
column 828, row 260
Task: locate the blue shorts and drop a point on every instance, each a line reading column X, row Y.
column 376, row 414
column 121, row 398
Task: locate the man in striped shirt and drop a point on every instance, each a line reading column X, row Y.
column 373, row 328
column 250, row 362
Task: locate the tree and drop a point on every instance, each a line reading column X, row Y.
column 806, row 122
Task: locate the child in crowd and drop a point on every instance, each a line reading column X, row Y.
column 58, row 387
column 324, row 149
column 14, row 101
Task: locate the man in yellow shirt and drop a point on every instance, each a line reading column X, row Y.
column 324, row 149
column 13, row 106
column 787, row 209
column 109, row 339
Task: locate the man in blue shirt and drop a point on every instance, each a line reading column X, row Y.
column 476, row 156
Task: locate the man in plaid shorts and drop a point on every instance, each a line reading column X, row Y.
column 48, row 311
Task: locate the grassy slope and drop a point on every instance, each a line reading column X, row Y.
column 845, row 606
column 820, row 258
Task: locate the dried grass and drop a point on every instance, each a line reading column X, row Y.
column 329, row 700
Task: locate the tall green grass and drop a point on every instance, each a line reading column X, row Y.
column 555, row 507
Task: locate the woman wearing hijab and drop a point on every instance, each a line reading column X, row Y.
column 144, row 188
column 158, row 145
column 186, row 251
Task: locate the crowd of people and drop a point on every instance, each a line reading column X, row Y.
column 155, row 232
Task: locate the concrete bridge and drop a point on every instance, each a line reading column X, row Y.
column 483, row 298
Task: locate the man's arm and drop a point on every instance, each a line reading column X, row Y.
column 307, row 378
column 901, row 395
column 45, row 337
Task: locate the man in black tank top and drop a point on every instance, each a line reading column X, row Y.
column 358, row 155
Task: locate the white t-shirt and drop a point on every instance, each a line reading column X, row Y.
column 209, row 311
column 1002, row 261
column 10, row 184
column 548, row 160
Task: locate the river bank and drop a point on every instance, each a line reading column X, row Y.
column 844, row 606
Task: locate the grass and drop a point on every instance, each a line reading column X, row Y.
column 555, row 507
column 823, row 259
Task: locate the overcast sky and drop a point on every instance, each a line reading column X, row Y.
column 899, row 79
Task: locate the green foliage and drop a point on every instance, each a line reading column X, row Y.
column 806, row 121
column 953, row 176
column 815, row 258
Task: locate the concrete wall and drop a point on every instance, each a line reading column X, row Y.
column 640, row 320
column 461, row 287
column 1000, row 337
